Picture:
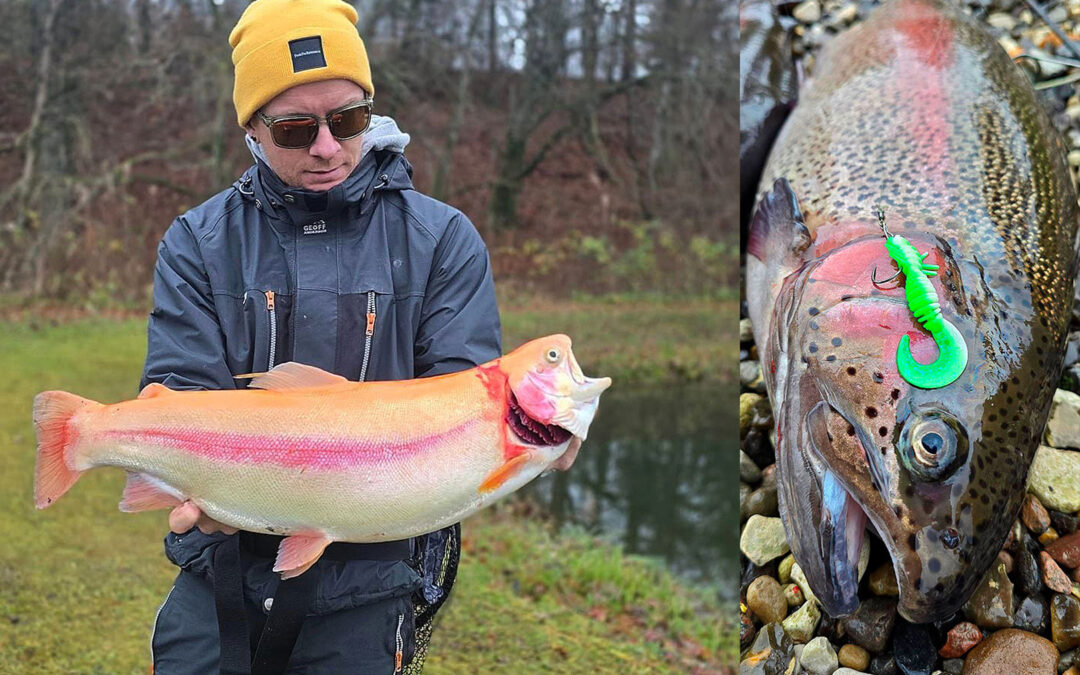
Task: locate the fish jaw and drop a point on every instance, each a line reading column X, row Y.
column 551, row 389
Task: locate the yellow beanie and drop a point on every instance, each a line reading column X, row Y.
column 278, row 44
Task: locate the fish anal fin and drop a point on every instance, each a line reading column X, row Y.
column 293, row 375
column 777, row 221
column 143, row 493
column 299, row 552
column 504, row 472
column 154, row 389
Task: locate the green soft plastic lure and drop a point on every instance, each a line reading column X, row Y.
column 923, row 302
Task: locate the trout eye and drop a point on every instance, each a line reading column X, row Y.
column 552, row 355
column 930, row 449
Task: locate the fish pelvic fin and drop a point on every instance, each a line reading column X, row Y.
column 296, row 554
column 144, row 493
column 504, row 472
column 57, row 433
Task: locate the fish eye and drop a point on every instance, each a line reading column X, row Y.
column 552, row 355
column 930, row 451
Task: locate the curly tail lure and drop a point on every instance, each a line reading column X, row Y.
column 923, row 302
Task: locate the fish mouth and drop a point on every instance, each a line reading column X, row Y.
column 531, row 430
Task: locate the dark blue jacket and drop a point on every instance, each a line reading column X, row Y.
column 325, row 257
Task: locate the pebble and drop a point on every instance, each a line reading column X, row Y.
column 763, row 539
column 854, row 657
column 1064, row 523
column 1012, row 651
column 754, row 412
column 748, row 470
column 746, row 331
column 783, row 572
column 913, row 649
column 808, row 12
column 872, row 623
column 846, row 14
column 1033, row 614
column 1002, row 20
column 801, row 623
column 1065, row 621
column 953, row 666
column 762, row 502
column 883, row 581
column 848, row 671
column 744, row 494
column 1028, row 581
column 750, row 376
column 1074, row 158
column 1055, row 477
column 819, row 657
column 765, row 598
column 1053, row 577
column 1066, row 660
column 771, row 654
column 1066, row 550
column 758, row 448
column 1063, row 426
column 991, row 606
column 1048, row 537
column 794, row 595
column 961, row 638
column 884, row 664
column 1034, row 515
column 799, row 578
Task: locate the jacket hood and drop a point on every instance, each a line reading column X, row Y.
column 382, row 166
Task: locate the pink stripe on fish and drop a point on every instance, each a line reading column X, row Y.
column 317, row 453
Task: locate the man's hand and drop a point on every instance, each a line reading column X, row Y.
column 567, row 460
column 187, row 516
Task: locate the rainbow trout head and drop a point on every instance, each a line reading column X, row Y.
column 939, row 473
column 551, row 401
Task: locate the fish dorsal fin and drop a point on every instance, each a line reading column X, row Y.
column 294, row 375
column 153, row 390
column 778, row 221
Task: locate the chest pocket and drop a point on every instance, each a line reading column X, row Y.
column 359, row 317
column 256, row 330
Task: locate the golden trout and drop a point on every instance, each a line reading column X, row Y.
column 318, row 458
column 919, row 110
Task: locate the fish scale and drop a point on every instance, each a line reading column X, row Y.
column 916, row 109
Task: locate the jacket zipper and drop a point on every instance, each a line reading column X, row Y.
column 273, row 328
column 369, row 332
column 400, row 644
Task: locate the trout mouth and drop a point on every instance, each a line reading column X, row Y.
column 533, row 431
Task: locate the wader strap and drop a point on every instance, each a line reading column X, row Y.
column 291, row 600
column 231, row 614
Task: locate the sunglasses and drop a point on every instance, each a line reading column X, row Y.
column 300, row 131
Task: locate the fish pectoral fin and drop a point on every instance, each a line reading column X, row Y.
column 504, row 472
column 154, row 389
column 293, row 375
column 778, row 221
column 299, row 552
column 144, row 493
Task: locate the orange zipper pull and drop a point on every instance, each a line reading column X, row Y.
column 269, row 299
column 397, row 661
column 370, row 324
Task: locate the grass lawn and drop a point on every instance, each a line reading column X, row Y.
column 80, row 582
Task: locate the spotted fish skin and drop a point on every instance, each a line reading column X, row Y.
column 919, row 110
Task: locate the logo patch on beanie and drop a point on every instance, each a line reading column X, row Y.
column 307, row 53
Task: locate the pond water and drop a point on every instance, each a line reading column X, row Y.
column 658, row 475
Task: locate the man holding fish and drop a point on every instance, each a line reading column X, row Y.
column 324, row 254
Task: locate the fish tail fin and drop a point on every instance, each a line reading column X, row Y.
column 56, row 436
